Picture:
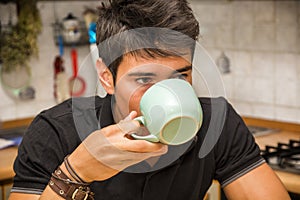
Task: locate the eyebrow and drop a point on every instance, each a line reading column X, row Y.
column 184, row 69
column 180, row 70
column 141, row 74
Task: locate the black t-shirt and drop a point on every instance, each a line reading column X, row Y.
column 223, row 149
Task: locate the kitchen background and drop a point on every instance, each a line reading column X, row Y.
column 260, row 38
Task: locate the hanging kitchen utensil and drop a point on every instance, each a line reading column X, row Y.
column 16, row 83
column 90, row 18
column 61, row 84
column 71, row 29
column 77, row 84
column 223, row 63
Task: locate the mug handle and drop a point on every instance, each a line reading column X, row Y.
column 150, row 138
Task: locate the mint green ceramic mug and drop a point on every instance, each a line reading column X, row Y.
column 171, row 112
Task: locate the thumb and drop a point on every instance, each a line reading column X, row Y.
column 131, row 116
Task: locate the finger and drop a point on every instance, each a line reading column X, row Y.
column 143, row 146
column 131, row 116
column 128, row 126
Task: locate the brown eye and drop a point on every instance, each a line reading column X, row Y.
column 144, row 80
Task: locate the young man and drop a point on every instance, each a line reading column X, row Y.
column 84, row 144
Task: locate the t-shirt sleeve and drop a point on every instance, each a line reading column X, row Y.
column 42, row 150
column 236, row 151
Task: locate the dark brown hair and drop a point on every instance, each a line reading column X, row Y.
column 173, row 26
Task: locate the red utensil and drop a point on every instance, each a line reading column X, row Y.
column 77, row 83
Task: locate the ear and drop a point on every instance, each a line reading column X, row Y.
column 105, row 76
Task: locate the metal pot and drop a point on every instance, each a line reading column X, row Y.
column 71, row 29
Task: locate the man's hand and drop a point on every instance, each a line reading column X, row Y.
column 108, row 151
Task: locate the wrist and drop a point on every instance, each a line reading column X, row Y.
column 72, row 172
column 88, row 167
column 67, row 188
column 65, row 171
column 77, row 168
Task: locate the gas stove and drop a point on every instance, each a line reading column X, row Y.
column 283, row 156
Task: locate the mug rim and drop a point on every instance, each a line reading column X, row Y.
column 161, row 138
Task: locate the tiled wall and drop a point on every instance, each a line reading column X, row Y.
column 261, row 39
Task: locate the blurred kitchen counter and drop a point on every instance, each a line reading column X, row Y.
column 283, row 132
column 290, row 180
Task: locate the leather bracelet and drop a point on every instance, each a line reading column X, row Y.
column 69, row 189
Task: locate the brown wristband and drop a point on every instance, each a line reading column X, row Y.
column 71, row 171
column 68, row 189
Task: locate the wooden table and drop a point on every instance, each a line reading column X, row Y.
column 290, row 180
column 7, row 157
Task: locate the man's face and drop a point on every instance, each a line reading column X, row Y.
column 136, row 74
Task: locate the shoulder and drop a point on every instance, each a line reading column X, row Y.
column 217, row 113
column 67, row 107
column 52, row 135
column 66, row 111
column 216, row 123
column 226, row 137
column 210, row 105
column 221, row 123
column 69, row 119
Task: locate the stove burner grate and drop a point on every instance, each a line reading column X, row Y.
column 284, row 156
column 292, row 161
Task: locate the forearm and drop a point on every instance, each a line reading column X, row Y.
column 102, row 155
column 87, row 167
column 49, row 194
column 66, row 183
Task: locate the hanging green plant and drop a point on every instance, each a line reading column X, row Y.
column 20, row 44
